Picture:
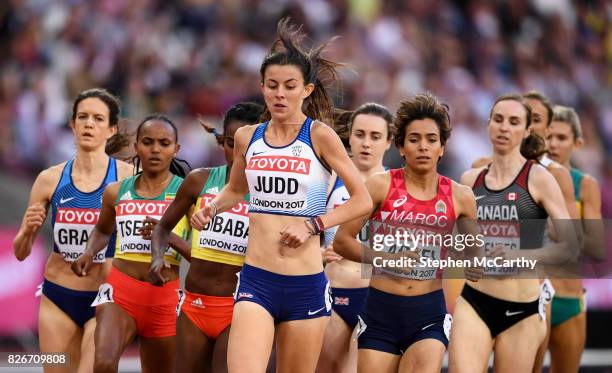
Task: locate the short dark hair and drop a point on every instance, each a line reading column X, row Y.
column 535, row 95
column 422, row 106
column 247, row 112
column 378, row 110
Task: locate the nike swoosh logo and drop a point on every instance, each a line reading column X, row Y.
column 258, row 153
column 428, row 326
column 310, row 313
column 508, row 313
column 62, row 201
column 345, row 199
column 479, row 197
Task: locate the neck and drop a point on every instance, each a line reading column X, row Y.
column 506, row 164
column 90, row 162
column 288, row 123
column 567, row 164
column 366, row 173
column 155, row 181
column 422, row 181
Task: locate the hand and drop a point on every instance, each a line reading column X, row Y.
column 330, row 256
column 502, row 252
column 155, row 271
column 34, row 217
column 294, row 235
column 81, row 266
column 148, row 225
column 203, row 216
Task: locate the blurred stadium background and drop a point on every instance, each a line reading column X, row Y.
column 198, row 57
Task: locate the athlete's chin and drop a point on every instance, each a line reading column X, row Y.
column 88, row 145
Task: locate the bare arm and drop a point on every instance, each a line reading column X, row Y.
column 237, row 187
column 186, row 196
column 36, row 212
column 100, row 235
column 593, row 244
column 546, row 191
column 334, row 154
column 467, row 226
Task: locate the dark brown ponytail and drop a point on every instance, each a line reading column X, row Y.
column 287, row 50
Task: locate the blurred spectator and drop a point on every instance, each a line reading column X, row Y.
column 201, row 56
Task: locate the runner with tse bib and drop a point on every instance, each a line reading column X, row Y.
column 127, row 305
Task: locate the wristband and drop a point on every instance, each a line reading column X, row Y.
column 213, row 204
column 310, row 227
column 317, row 225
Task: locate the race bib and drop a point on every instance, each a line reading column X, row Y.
column 105, row 295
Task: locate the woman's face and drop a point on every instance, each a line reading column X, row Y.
column 156, row 146
column 422, row 145
column 561, row 142
column 539, row 117
column 228, row 139
column 507, row 126
column 368, row 141
column 91, row 126
column 284, row 91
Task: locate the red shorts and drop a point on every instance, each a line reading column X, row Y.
column 152, row 307
column 212, row 315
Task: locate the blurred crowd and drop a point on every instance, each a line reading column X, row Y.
column 198, row 57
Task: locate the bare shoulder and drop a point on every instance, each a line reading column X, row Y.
column 481, row 162
column 462, row 193
column 245, row 133
column 321, row 132
column 112, row 189
column 469, row 177
column 124, row 169
column 378, row 185
column 540, row 176
column 558, row 171
column 50, row 177
column 589, row 184
column 463, row 200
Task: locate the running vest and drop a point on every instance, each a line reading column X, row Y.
column 74, row 214
column 286, row 180
column 577, row 176
column 131, row 210
column 509, row 217
column 224, row 239
column 430, row 222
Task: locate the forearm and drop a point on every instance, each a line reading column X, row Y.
column 180, row 245
column 593, row 244
column 159, row 241
column 22, row 245
column 351, row 249
column 227, row 198
column 354, row 208
column 97, row 242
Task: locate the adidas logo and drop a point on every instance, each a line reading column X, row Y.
column 126, row 196
column 197, row 303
